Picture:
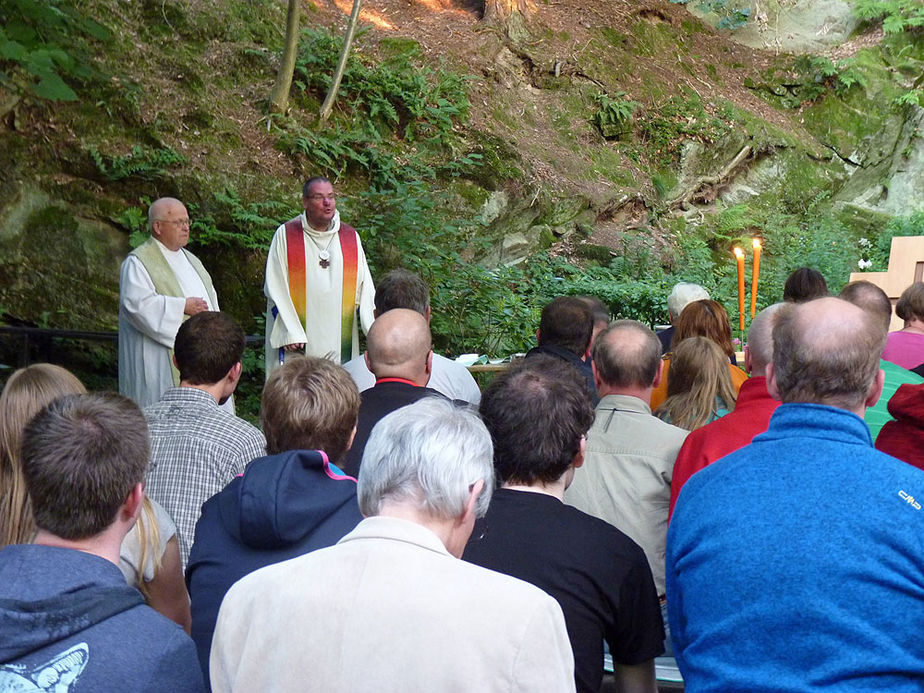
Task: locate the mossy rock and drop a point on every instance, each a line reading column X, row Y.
column 58, row 268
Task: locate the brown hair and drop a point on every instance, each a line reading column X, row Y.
column 309, row 403
column 541, row 388
column 26, row 392
column 705, row 318
column 699, row 378
column 910, row 305
column 81, row 457
column 207, row 346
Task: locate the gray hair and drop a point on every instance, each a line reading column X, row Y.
column 427, row 454
column 760, row 337
column 682, row 295
column 826, row 351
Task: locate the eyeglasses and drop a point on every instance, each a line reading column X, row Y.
column 178, row 222
column 317, row 198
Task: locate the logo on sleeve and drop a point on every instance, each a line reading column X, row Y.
column 909, row 499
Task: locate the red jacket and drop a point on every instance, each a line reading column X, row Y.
column 705, row 445
column 904, row 437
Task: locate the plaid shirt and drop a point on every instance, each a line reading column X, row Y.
column 196, row 449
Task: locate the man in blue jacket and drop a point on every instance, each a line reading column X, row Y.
column 291, row 502
column 68, row 621
column 794, row 563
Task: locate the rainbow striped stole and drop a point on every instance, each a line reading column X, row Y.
column 298, row 279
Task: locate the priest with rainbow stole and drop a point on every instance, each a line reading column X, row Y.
column 161, row 284
column 316, row 279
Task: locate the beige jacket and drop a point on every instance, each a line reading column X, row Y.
column 388, row 609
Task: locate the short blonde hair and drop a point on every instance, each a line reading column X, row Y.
column 309, row 403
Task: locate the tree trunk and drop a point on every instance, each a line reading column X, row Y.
column 510, row 16
column 328, row 104
column 499, row 11
column 279, row 98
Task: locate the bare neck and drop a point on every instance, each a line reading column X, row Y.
column 106, row 544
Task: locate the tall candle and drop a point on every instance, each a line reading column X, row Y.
column 755, row 276
column 739, row 256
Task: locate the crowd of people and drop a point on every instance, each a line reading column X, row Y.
column 391, row 527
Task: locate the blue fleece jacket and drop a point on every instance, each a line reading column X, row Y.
column 69, row 623
column 796, row 563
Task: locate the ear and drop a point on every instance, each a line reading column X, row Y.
column 875, row 391
column 352, row 438
column 375, row 313
column 131, row 508
column 427, row 314
column 430, row 361
column 771, row 383
column 305, row 203
column 659, row 374
column 598, row 383
column 473, row 494
column 368, row 362
column 175, row 362
column 748, row 365
column 235, row 373
column 579, row 456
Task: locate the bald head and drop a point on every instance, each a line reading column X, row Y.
column 869, row 297
column 758, row 351
column 399, row 346
column 827, row 351
column 626, row 357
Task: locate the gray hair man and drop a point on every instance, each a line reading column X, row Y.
column 750, row 417
column 391, row 598
column 65, row 610
column 808, row 531
column 160, row 285
column 682, row 295
column 626, row 477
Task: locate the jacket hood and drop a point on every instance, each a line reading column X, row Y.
column 907, row 404
column 280, row 499
column 31, row 624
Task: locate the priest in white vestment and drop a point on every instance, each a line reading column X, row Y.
column 160, row 285
column 316, row 280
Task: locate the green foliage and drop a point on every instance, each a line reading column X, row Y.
column 39, row 48
column 896, row 15
column 818, row 75
column 665, row 126
column 142, row 162
column 731, row 14
column 613, row 116
column 910, row 225
column 227, row 220
column 399, row 95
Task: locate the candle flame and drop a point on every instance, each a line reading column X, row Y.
column 739, row 252
column 756, row 243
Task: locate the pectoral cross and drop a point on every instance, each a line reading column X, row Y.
column 324, row 262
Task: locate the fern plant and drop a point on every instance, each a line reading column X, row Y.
column 613, row 117
column 896, row 15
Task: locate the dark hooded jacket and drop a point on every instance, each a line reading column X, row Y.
column 281, row 507
column 904, row 437
column 68, row 622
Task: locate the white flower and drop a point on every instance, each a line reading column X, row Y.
column 864, row 264
column 864, row 243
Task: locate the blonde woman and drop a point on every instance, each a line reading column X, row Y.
column 700, row 389
column 152, row 542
